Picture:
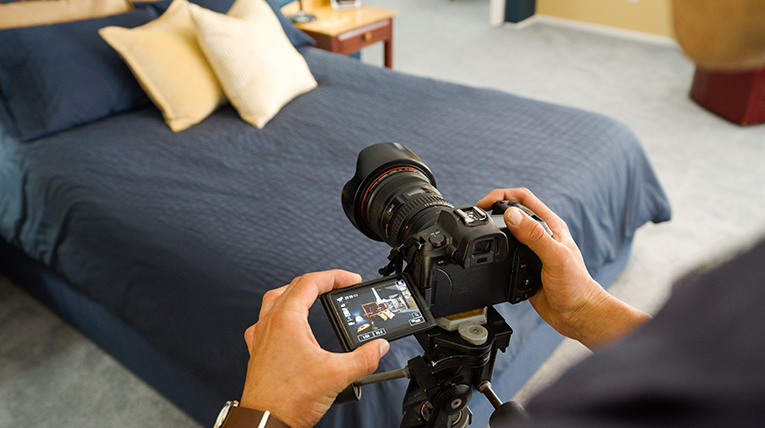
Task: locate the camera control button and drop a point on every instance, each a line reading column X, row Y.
column 437, row 240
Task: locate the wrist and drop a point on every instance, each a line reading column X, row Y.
column 605, row 320
column 235, row 416
column 279, row 409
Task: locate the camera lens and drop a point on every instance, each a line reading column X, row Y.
column 392, row 194
column 399, row 202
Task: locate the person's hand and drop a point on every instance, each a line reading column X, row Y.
column 289, row 374
column 569, row 300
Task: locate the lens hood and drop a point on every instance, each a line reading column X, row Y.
column 374, row 162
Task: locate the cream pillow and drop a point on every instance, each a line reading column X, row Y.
column 256, row 64
column 165, row 58
column 29, row 13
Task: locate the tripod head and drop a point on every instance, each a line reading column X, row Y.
column 443, row 378
column 453, row 364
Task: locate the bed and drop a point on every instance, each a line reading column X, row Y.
column 159, row 245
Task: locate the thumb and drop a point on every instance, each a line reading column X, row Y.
column 364, row 360
column 530, row 233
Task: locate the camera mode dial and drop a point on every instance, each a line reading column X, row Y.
column 437, row 240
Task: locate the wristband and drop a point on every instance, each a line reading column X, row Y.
column 234, row 416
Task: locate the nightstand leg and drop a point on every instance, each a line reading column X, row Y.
column 388, row 47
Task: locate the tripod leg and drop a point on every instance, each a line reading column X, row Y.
column 415, row 410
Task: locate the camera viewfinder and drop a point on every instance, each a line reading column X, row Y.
column 482, row 246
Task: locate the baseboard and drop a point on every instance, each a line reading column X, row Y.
column 595, row 28
column 522, row 24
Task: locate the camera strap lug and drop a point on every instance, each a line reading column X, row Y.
column 396, row 264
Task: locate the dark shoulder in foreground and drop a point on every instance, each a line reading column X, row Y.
column 699, row 362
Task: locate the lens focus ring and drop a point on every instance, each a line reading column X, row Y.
column 386, row 187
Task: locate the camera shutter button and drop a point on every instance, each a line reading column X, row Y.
column 437, row 240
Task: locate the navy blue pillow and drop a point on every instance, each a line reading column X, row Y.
column 297, row 37
column 220, row 6
column 54, row 77
column 6, row 123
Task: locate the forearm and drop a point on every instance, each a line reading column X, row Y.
column 722, row 34
column 604, row 321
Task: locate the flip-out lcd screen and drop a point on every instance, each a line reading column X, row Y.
column 386, row 308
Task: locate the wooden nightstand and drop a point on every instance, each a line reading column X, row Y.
column 347, row 31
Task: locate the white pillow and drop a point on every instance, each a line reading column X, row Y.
column 257, row 66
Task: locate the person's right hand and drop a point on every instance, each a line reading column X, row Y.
column 289, row 374
column 570, row 300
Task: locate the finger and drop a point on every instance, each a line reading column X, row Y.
column 310, row 286
column 530, row 201
column 364, row 360
column 488, row 201
column 270, row 299
column 530, row 233
column 249, row 336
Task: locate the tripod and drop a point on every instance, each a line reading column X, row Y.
column 442, row 379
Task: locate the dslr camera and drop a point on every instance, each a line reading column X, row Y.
column 458, row 259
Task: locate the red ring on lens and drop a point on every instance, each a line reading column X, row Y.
column 364, row 198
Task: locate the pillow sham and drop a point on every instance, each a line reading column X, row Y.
column 296, row 36
column 54, row 77
column 166, row 59
column 30, row 13
column 258, row 68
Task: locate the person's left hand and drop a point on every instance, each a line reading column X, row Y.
column 570, row 300
column 289, row 374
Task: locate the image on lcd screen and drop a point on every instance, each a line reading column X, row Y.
column 387, row 309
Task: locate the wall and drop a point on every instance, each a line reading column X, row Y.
column 647, row 16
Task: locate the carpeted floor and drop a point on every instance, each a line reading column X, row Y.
column 712, row 170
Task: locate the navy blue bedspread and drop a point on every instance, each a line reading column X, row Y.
column 180, row 234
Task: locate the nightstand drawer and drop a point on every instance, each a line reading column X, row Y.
column 347, row 31
column 355, row 40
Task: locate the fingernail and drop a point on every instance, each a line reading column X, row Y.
column 384, row 347
column 513, row 216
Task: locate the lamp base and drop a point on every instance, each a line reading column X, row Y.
column 738, row 97
column 302, row 18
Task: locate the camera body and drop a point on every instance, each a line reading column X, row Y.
column 468, row 260
column 457, row 259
